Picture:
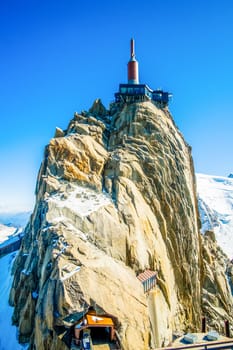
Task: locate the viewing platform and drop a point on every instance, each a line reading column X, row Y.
column 141, row 92
column 201, row 342
column 136, row 92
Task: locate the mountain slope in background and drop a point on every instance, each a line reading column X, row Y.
column 14, row 219
column 215, row 198
column 11, row 225
column 8, row 333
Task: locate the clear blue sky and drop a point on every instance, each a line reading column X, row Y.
column 58, row 56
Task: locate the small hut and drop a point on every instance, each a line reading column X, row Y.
column 148, row 280
column 101, row 328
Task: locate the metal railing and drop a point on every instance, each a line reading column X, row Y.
column 75, row 346
column 224, row 344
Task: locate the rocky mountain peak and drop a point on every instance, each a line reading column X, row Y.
column 115, row 198
column 98, row 109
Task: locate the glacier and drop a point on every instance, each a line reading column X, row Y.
column 215, row 200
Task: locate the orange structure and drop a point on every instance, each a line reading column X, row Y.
column 91, row 320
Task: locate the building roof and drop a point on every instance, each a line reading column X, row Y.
column 144, row 276
column 93, row 320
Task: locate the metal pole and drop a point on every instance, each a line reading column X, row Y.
column 132, row 48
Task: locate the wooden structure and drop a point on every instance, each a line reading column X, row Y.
column 148, row 280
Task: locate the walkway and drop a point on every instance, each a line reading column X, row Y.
column 224, row 344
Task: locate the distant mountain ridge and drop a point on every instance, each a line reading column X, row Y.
column 11, row 228
column 215, row 199
column 14, row 219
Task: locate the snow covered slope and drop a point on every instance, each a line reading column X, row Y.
column 11, row 225
column 6, row 232
column 8, row 333
column 215, row 197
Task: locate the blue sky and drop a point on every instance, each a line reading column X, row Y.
column 58, row 56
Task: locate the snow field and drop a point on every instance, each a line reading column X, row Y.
column 80, row 200
column 215, row 197
column 8, row 333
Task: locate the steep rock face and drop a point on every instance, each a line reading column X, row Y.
column 115, row 196
column 217, row 303
column 150, row 173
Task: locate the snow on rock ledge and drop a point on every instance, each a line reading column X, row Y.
column 81, row 201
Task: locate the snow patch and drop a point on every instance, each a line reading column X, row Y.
column 5, row 232
column 9, row 235
column 80, row 200
column 69, row 270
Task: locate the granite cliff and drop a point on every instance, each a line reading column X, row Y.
column 116, row 196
